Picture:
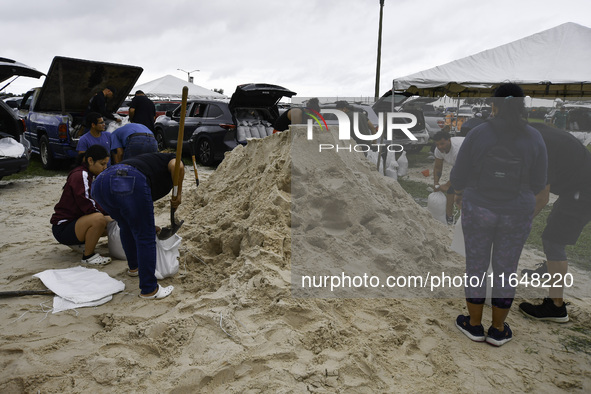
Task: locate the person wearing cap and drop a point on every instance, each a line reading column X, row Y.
column 142, row 110
column 131, row 140
column 98, row 103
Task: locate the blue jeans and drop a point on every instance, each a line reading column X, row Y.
column 124, row 193
column 138, row 145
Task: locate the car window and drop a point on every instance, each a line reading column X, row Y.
column 198, row 110
column 214, row 111
column 177, row 112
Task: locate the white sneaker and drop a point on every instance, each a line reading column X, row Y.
column 96, row 259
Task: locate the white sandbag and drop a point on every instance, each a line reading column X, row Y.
column 457, row 243
column 402, row 164
column 167, row 256
column 372, row 157
column 436, row 205
column 9, row 147
column 115, row 247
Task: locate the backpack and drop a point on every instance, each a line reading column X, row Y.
column 502, row 173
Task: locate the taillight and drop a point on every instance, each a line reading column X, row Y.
column 24, row 125
column 62, row 131
column 228, row 127
column 441, row 123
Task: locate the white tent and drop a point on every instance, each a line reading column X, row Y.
column 553, row 63
column 170, row 86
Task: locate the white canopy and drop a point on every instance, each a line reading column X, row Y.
column 172, row 87
column 553, row 63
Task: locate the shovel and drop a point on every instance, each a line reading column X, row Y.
column 168, row 232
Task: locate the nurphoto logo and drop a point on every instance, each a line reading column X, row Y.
column 385, row 124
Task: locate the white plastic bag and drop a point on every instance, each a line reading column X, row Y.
column 436, row 205
column 115, row 247
column 167, row 256
column 457, row 243
column 402, row 164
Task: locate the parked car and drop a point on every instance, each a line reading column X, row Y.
column 13, row 102
column 15, row 149
column 124, row 108
column 384, row 104
column 213, row 127
column 54, row 113
column 165, row 105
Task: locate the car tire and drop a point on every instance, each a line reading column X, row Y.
column 46, row 154
column 205, row 151
column 159, row 135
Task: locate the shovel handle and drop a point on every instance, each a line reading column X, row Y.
column 179, row 144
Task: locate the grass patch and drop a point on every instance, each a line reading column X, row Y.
column 580, row 341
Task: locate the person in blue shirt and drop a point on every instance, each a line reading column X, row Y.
column 131, row 140
column 96, row 134
column 499, row 170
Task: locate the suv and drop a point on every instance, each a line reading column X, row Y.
column 384, row 104
column 15, row 149
column 213, row 127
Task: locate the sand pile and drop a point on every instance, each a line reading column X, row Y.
column 233, row 324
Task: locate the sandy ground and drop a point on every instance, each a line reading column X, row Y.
column 233, row 324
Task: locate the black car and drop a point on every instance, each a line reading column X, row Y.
column 213, row 127
column 14, row 156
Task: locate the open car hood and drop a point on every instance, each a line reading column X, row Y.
column 10, row 68
column 258, row 95
column 81, row 80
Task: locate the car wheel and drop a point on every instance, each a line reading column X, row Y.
column 45, row 152
column 160, row 139
column 205, row 151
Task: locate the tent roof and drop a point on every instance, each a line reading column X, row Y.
column 552, row 63
column 171, row 86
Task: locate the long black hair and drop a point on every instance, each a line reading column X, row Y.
column 96, row 152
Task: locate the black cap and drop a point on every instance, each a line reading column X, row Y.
column 112, row 89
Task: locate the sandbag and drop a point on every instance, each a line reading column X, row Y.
column 436, row 205
column 402, row 164
column 115, row 247
column 167, row 251
column 167, row 256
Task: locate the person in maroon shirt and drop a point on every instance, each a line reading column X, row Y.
column 78, row 219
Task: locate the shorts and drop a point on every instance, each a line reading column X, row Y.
column 567, row 220
column 65, row 233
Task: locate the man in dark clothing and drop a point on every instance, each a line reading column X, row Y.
column 142, row 110
column 127, row 191
column 569, row 177
column 98, row 103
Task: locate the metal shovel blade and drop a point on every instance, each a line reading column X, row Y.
column 169, row 231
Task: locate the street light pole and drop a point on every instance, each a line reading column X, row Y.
column 189, row 77
column 377, row 90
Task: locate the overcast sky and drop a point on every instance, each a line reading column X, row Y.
column 313, row 47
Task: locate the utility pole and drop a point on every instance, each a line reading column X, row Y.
column 189, row 77
column 377, row 90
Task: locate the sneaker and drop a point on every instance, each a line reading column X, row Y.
column 545, row 311
column 475, row 333
column 96, row 259
column 499, row 338
column 540, row 269
column 449, row 219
